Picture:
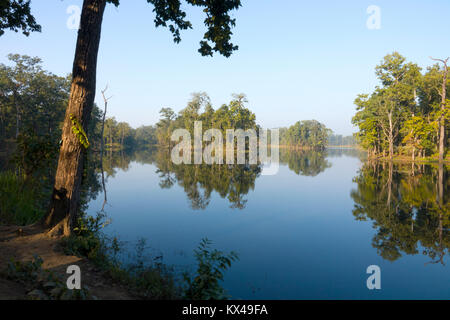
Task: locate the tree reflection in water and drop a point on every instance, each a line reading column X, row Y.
column 231, row 182
column 408, row 206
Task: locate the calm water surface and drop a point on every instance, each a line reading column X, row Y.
column 309, row 232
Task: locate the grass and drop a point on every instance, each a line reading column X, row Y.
column 19, row 200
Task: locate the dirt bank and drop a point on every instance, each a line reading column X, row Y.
column 22, row 244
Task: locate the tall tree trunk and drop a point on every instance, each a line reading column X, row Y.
column 442, row 120
column 66, row 192
column 443, row 93
column 17, row 116
column 391, row 136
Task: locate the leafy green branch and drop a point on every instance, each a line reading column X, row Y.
column 79, row 132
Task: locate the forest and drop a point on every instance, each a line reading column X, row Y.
column 33, row 103
column 408, row 113
column 32, row 107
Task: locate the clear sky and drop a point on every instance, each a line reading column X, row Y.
column 297, row 60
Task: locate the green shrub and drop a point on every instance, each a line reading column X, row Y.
column 86, row 239
column 206, row 283
column 19, row 201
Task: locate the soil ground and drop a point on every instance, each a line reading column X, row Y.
column 23, row 244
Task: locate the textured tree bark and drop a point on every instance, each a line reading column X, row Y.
column 442, row 120
column 391, row 137
column 442, row 124
column 66, row 192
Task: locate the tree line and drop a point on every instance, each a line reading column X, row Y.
column 407, row 114
column 234, row 115
column 340, row 140
column 32, row 107
column 33, row 103
column 309, row 134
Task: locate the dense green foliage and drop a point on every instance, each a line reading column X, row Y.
column 402, row 115
column 171, row 14
column 305, row 134
column 31, row 99
column 20, row 203
column 32, row 108
column 16, row 15
column 229, row 116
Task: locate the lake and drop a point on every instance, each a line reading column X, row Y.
column 308, row 232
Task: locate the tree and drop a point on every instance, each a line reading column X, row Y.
column 124, row 131
column 111, row 131
column 145, row 136
column 31, row 99
column 406, row 113
column 164, row 126
column 417, row 133
column 190, row 114
column 397, row 95
column 16, row 15
column 64, row 203
column 306, row 134
column 369, row 132
column 443, row 112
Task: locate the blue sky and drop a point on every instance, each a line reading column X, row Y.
column 297, row 60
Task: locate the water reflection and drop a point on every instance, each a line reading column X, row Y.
column 408, row 207
column 406, row 203
column 305, row 162
column 231, row 182
column 284, row 217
